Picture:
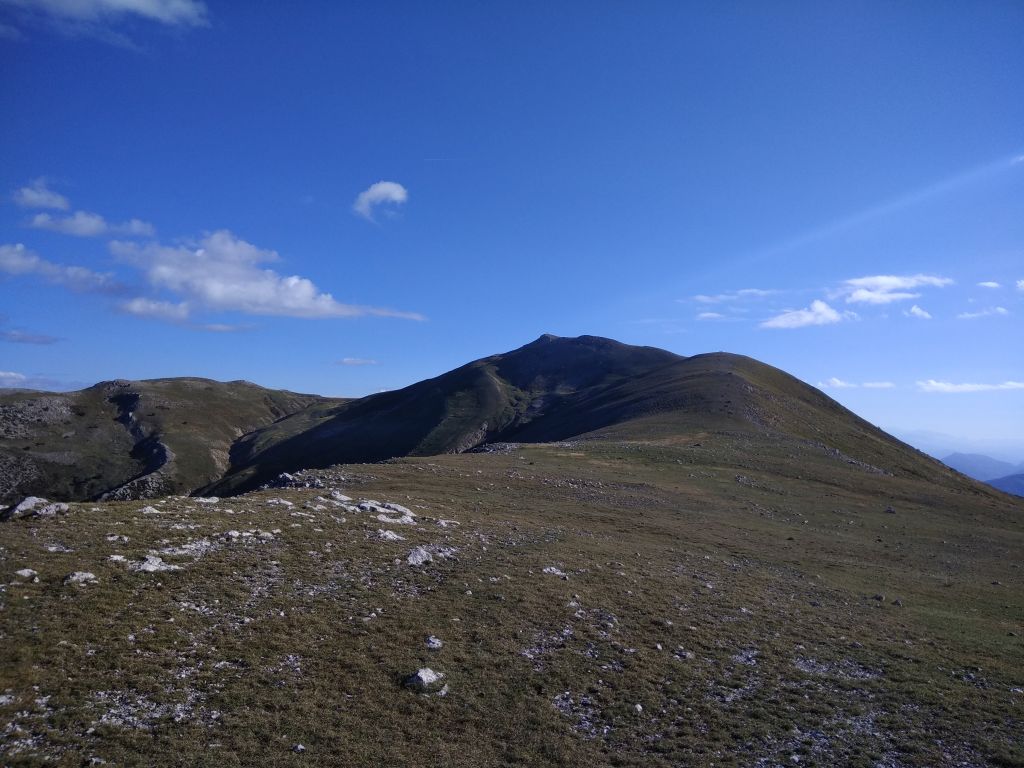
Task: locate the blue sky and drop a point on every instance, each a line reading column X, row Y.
column 348, row 197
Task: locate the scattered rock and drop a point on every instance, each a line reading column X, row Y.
column 153, row 564
column 425, row 680
column 880, row 598
column 28, row 574
column 205, row 499
column 556, row 572
column 389, row 535
column 434, row 643
column 34, row 506
column 80, row 577
column 298, row 747
column 423, row 555
column 890, row 510
column 419, row 556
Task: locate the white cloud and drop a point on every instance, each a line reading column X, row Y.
column 884, row 289
column 11, row 379
column 710, row 316
column 743, row 293
column 819, row 313
column 356, row 361
column 987, row 312
column 85, row 224
column 19, row 260
column 381, row 193
column 989, row 284
column 916, row 311
column 38, row 195
column 79, row 224
column 171, row 12
column 224, row 273
column 835, row 383
column 1020, row 285
column 161, row 310
column 931, row 385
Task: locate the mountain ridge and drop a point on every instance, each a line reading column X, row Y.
column 153, row 437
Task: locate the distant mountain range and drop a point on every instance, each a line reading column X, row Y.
column 999, row 474
column 981, row 467
column 140, row 439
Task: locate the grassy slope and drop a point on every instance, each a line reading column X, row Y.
column 78, row 445
column 751, row 561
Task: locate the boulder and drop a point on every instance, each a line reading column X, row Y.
column 425, row 680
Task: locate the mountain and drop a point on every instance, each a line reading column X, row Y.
column 130, row 439
column 1011, row 484
column 561, row 388
column 981, row 467
column 143, row 439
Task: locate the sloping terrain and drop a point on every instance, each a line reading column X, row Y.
column 132, row 439
column 718, row 596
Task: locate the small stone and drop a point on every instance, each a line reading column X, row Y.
column 552, row 570
column 880, row 598
column 80, row 577
column 419, row 556
column 639, row 708
column 298, row 748
column 425, row 680
column 434, row 643
column 890, row 510
column 27, row 573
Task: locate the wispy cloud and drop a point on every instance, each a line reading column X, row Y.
column 356, row 361
column 18, row 260
column 1020, row 285
column 885, row 289
column 836, row 383
column 989, row 284
column 161, row 310
column 99, row 18
column 916, row 311
column 987, row 312
column 12, row 379
column 710, row 316
column 381, row 193
column 38, row 195
column 225, row 273
column 23, row 337
column 818, row 313
column 84, row 224
column 731, row 296
column 931, row 385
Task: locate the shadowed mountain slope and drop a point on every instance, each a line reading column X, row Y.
column 129, row 439
column 560, row 388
